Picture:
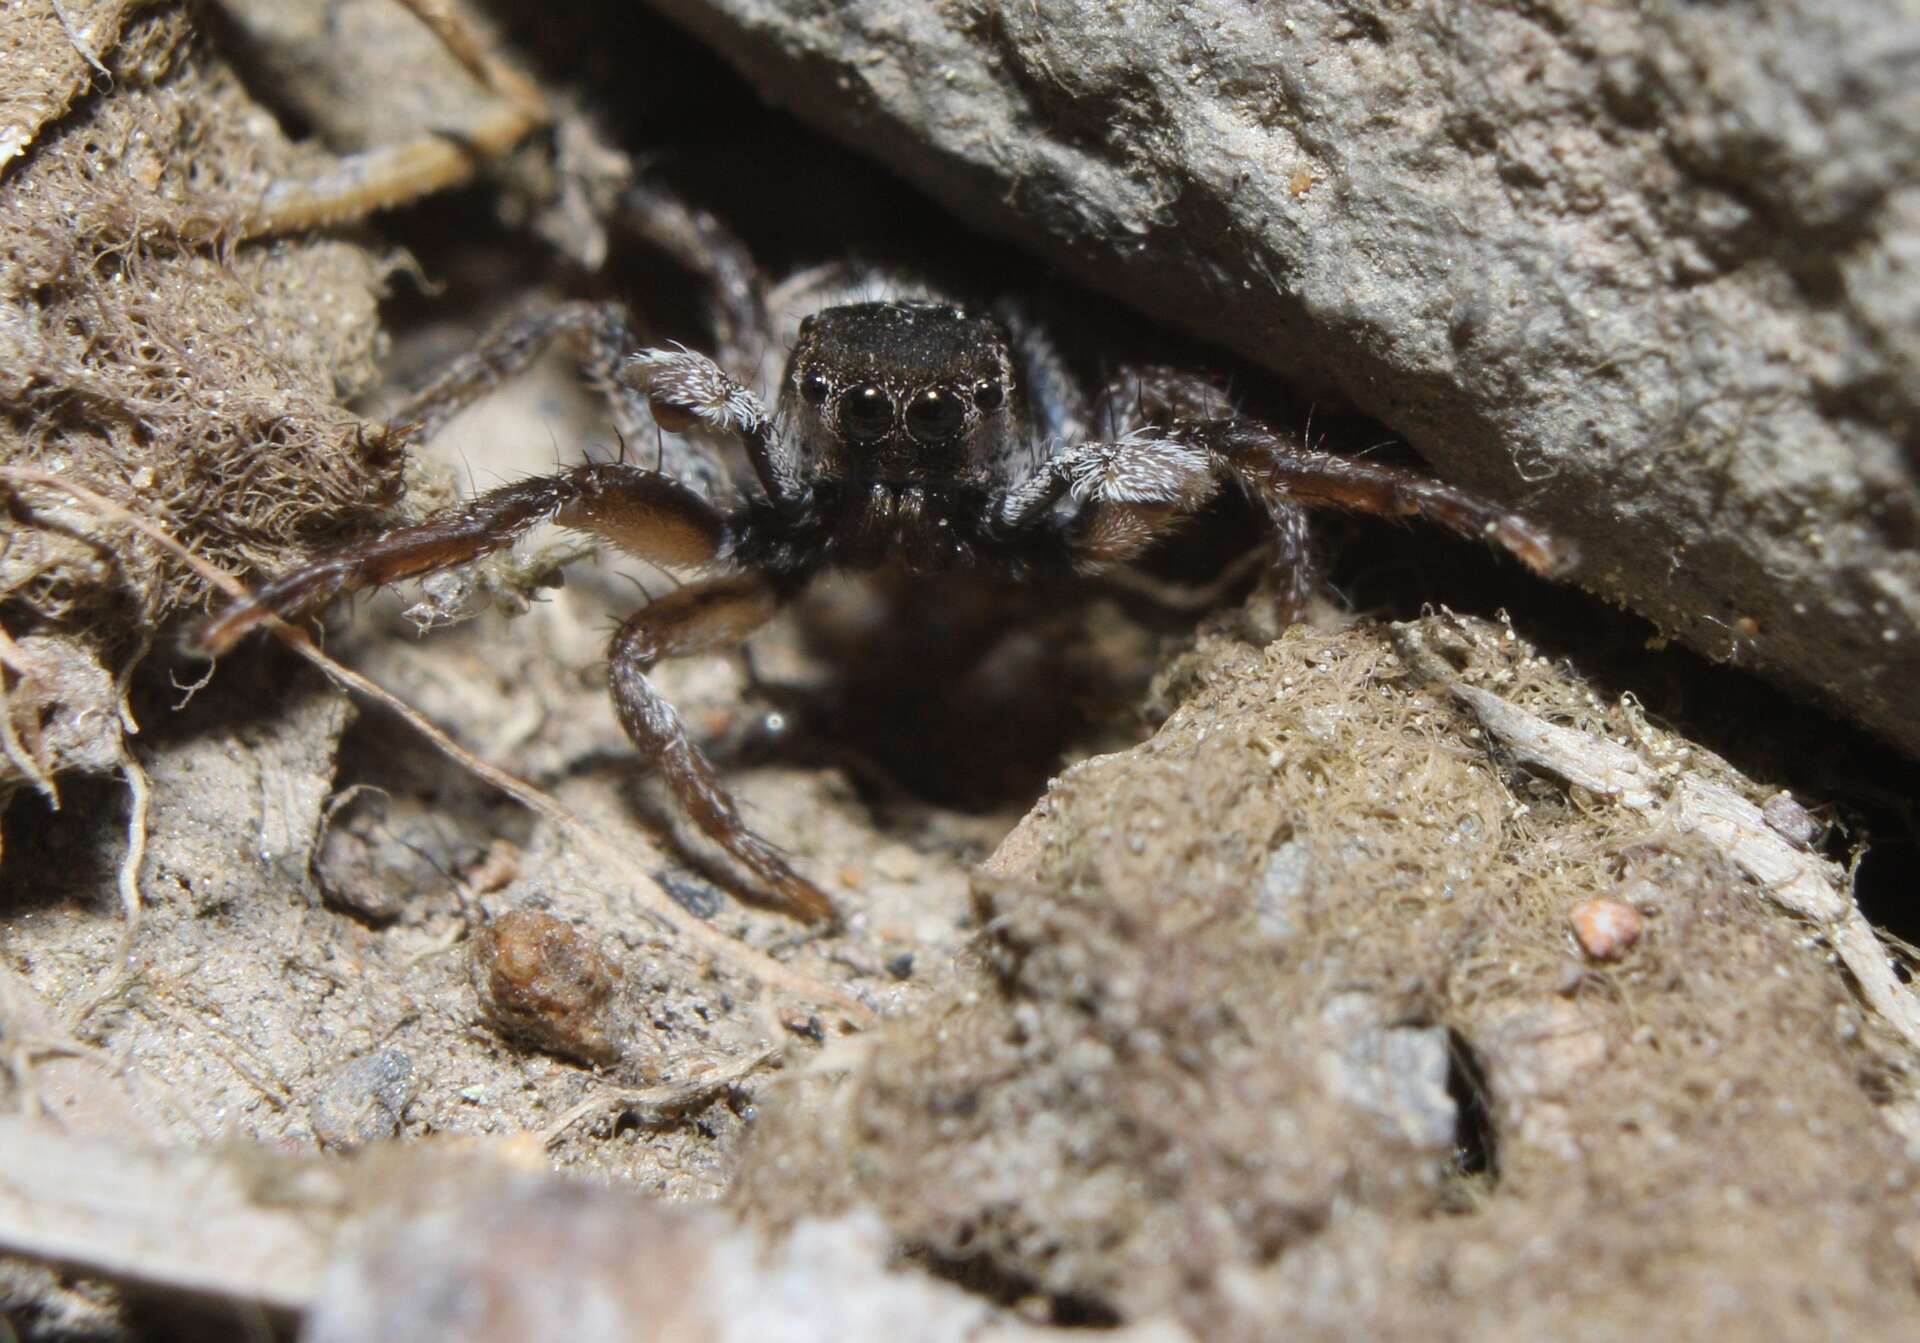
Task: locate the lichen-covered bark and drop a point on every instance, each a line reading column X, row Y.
column 1648, row 269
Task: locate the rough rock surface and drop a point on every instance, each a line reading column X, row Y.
column 1649, row 269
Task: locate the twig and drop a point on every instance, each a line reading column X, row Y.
column 653, row 899
column 359, row 184
column 139, row 810
column 16, row 750
column 477, row 57
column 74, row 40
column 661, row 1104
column 115, row 1210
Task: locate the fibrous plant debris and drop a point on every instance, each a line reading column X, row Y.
column 192, row 377
column 1152, row 1096
column 158, row 342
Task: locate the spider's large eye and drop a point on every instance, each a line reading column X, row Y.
column 814, row 389
column 989, row 394
column 866, row 412
column 935, row 415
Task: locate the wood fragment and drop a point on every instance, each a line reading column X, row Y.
column 1601, row 767
column 661, row 1104
column 107, row 1209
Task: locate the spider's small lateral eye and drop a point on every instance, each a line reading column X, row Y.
column 989, row 394
column 866, row 412
column 814, row 389
column 935, row 415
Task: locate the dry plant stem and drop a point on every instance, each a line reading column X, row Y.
column 16, row 750
column 1804, row 884
column 377, row 179
column 139, row 808
column 653, row 900
column 87, row 53
column 115, row 1210
column 470, row 47
column 661, row 1104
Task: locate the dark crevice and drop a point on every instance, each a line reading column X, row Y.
column 1476, row 1149
column 979, row 1275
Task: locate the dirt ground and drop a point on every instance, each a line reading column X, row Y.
column 1399, row 976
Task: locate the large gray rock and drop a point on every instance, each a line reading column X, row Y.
column 1651, row 270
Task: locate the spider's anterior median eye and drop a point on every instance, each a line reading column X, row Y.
column 866, row 412
column 989, row 394
column 935, row 415
column 814, row 389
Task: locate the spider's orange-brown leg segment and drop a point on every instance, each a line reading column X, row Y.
column 643, row 512
column 1279, row 467
column 1155, row 474
column 717, row 613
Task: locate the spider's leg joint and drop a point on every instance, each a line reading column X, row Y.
column 685, row 389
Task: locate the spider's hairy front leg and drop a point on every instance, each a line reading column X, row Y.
column 1277, row 466
column 1150, row 475
column 643, row 512
column 685, row 390
column 1127, row 493
column 601, row 332
column 601, row 336
column 1155, row 403
column 717, row 613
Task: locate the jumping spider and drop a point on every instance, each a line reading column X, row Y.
column 907, row 430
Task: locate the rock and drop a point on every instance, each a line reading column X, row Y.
column 541, row 982
column 538, row 1258
column 1647, row 271
column 1396, row 1075
column 364, row 1100
column 1605, row 928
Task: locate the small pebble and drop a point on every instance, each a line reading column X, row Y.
column 494, row 870
column 1791, row 821
column 702, row 899
column 363, row 1101
column 541, row 982
column 804, row 1024
column 1605, row 927
column 359, row 871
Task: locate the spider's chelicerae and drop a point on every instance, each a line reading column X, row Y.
column 906, row 430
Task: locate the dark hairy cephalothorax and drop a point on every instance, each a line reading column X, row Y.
column 907, row 430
